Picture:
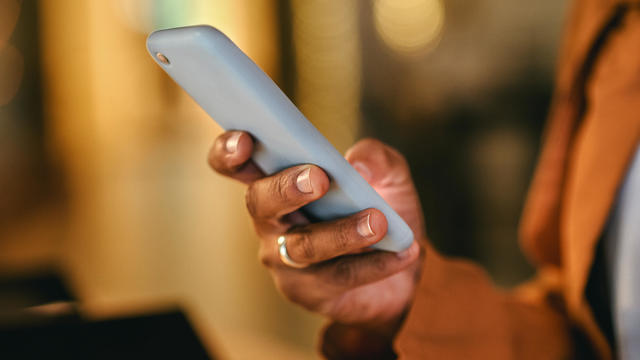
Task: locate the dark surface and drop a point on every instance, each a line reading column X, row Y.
column 37, row 288
column 26, row 333
column 166, row 335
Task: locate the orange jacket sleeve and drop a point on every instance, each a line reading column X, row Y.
column 459, row 314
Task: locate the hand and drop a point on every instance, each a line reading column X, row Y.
column 345, row 281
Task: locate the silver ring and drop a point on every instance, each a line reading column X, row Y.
column 284, row 255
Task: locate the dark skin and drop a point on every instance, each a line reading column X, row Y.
column 344, row 280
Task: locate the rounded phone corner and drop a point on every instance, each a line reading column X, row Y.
column 181, row 38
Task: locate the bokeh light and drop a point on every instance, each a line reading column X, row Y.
column 409, row 26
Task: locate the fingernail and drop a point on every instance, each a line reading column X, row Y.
column 303, row 182
column 231, row 145
column 363, row 170
column 364, row 226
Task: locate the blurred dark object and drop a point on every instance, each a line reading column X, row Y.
column 39, row 319
column 34, row 298
column 166, row 335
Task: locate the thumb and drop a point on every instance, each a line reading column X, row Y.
column 387, row 171
column 378, row 163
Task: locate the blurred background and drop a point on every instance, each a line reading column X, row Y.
column 104, row 184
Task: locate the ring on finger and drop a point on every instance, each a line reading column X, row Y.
column 284, row 255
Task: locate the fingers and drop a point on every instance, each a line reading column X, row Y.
column 330, row 249
column 378, row 163
column 285, row 192
column 356, row 270
column 230, row 156
column 323, row 241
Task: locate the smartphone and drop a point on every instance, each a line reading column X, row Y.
column 239, row 96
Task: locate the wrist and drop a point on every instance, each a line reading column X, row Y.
column 371, row 340
column 348, row 341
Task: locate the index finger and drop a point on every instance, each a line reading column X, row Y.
column 230, row 156
column 350, row 271
column 318, row 242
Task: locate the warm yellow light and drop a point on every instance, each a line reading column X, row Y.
column 328, row 65
column 11, row 60
column 409, row 26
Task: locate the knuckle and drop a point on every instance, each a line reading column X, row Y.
column 342, row 236
column 379, row 263
column 251, row 201
column 303, row 245
column 265, row 258
column 290, row 291
column 344, row 273
column 292, row 295
column 279, row 188
column 313, row 304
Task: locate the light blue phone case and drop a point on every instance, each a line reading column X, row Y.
column 238, row 95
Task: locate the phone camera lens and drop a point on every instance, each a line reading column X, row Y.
column 163, row 59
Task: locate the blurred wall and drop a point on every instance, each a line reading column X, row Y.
column 149, row 222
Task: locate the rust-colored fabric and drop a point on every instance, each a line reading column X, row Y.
column 592, row 133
